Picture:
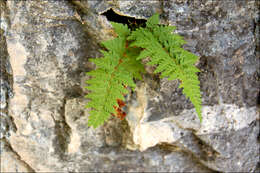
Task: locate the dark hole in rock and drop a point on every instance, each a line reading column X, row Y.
column 131, row 22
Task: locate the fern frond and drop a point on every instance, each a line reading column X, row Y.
column 106, row 85
column 172, row 61
column 122, row 63
column 113, row 72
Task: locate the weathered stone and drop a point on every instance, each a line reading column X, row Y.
column 218, row 121
column 6, row 123
column 225, row 42
column 47, row 53
column 10, row 161
column 229, row 67
column 3, row 101
column 136, row 9
column 237, row 150
column 49, row 43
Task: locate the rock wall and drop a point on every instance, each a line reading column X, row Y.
column 44, row 51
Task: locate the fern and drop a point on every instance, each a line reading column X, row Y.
column 113, row 72
column 172, row 61
column 121, row 64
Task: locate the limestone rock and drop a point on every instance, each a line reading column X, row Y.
column 229, row 89
column 10, row 161
column 44, row 122
column 6, row 123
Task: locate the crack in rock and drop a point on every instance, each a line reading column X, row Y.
column 63, row 133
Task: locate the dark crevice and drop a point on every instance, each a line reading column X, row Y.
column 199, row 150
column 63, row 132
column 257, row 49
column 74, row 92
column 257, row 169
column 256, row 30
column 131, row 22
column 7, row 124
column 172, row 148
column 258, row 100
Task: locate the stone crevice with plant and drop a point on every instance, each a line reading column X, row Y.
column 122, row 64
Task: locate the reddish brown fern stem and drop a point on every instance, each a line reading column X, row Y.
column 119, row 113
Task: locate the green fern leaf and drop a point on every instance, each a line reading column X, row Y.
column 113, row 72
column 120, row 29
column 153, row 21
column 172, row 61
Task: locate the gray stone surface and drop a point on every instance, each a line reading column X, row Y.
column 45, row 46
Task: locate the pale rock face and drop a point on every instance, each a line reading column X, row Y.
column 11, row 162
column 17, row 51
column 44, row 51
column 224, row 117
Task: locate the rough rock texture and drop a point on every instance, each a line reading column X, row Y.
column 11, row 161
column 43, row 119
